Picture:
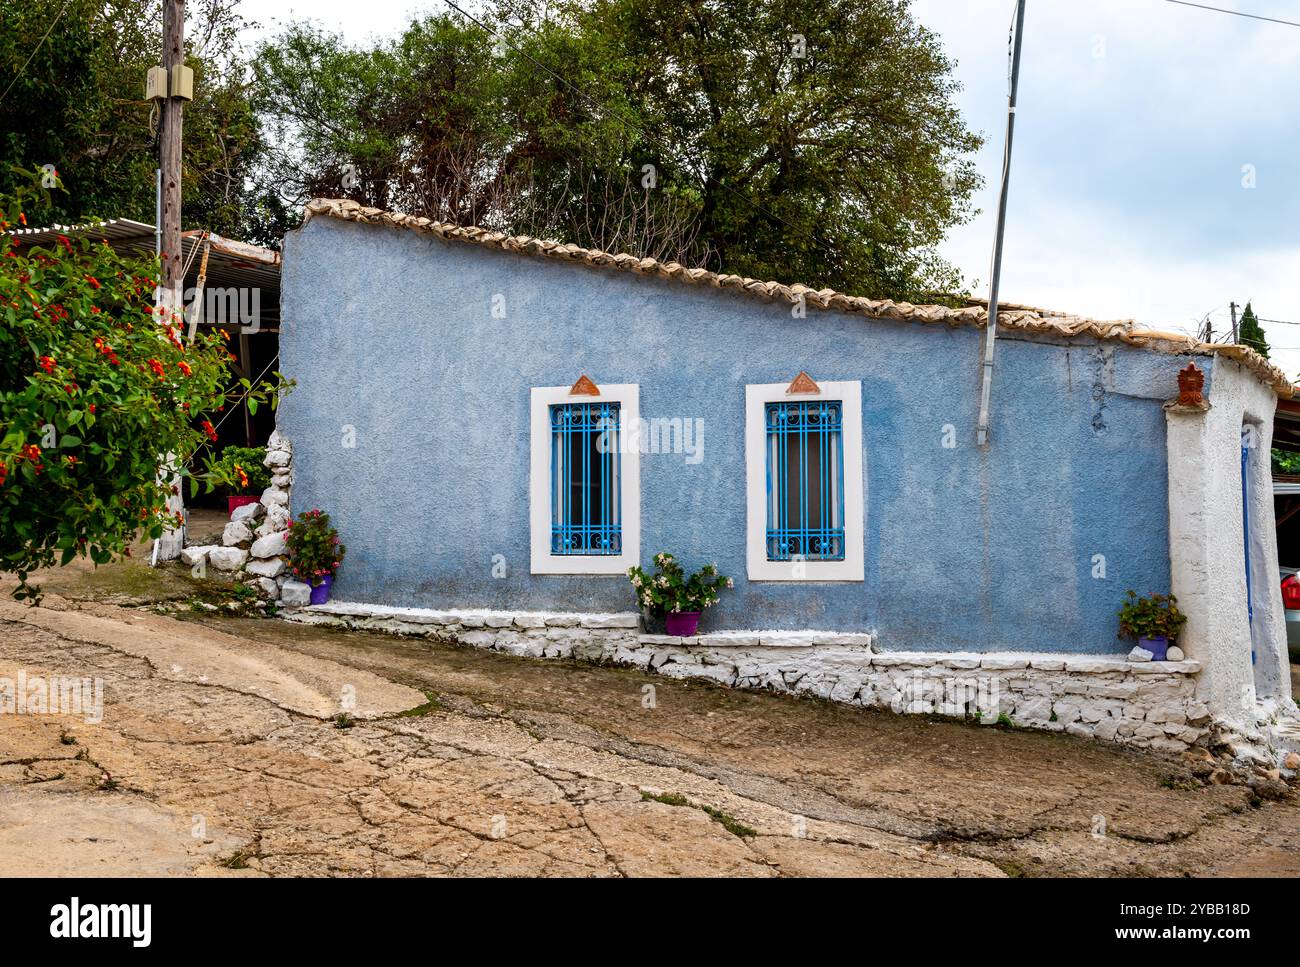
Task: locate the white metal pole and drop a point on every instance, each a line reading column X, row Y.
column 995, row 276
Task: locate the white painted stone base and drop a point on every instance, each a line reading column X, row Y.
column 1147, row 704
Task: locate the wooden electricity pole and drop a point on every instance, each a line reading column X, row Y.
column 171, row 292
column 169, row 155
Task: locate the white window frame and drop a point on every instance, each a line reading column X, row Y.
column 627, row 396
column 759, row 568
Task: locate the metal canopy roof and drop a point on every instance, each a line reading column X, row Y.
column 230, row 263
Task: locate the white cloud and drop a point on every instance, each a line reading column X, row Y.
column 1126, row 193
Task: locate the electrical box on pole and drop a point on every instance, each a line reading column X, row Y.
column 183, row 82
column 155, row 84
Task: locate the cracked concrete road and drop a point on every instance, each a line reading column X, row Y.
column 218, row 754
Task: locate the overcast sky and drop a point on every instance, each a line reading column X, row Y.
column 1140, row 125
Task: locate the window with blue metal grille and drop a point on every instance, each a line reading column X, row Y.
column 586, row 511
column 805, row 481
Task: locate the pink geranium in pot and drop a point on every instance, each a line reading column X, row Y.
column 315, row 552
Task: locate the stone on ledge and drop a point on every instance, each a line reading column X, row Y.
column 191, row 556
column 247, row 512
column 610, row 620
column 272, row 545
column 295, row 594
column 274, row 497
column 271, row 568
column 235, row 533
column 227, row 558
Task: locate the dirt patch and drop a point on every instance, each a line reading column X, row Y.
column 60, row 833
column 520, row 767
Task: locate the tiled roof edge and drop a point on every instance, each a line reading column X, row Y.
column 1021, row 319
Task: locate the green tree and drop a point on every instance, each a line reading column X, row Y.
column 821, row 137
column 94, row 387
column 1285, row 462
column 75, row 100
column 803, row 140
column 1250, row 333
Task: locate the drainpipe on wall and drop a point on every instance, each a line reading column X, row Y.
column 995, row 276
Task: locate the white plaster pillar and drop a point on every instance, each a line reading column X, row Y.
column 1207, row 555
column 173, row 538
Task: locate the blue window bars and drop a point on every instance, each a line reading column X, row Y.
column 805, row 481
column 586, row 510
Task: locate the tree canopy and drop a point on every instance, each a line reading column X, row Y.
column 804, row 140
column 75, row 75
column 1251, row 333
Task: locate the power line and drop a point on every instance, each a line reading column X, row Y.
column 35, row 49
column 1235, row 13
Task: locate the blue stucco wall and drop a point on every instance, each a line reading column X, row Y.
column 391, row 333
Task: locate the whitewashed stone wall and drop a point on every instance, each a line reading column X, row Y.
column 1147, row 704
column 252, row 545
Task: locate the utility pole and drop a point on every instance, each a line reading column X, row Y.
column 995, row 276
column 170, row 293
column 1232, row 307
column 169, row 153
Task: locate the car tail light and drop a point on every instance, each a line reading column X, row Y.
column 1290, row 592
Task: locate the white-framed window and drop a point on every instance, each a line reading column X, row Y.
column 584, row 485
column 803, row 482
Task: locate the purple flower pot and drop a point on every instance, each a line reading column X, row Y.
column 681, row 624
column 320, row 593
column 1158, row 647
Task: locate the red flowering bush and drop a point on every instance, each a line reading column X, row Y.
column 314, row 548
column 95, row 388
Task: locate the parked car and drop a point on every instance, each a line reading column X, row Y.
column 1291, row 601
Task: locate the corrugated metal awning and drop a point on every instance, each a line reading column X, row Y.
column 230, row 263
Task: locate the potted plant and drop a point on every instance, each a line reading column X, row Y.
column 675, row 597
column 1154, row 621
column 314, row 552
column 241, row 473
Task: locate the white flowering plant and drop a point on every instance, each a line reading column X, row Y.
column 668, row 590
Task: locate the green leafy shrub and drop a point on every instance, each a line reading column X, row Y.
column 1155, row 616
column 669, row 590
column 314, row 548
column 238, row 470
column 1285, row 463
column 96, row 387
